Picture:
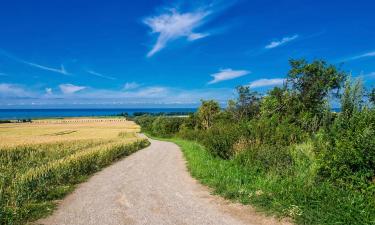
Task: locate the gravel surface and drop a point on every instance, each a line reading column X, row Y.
column 151, row 186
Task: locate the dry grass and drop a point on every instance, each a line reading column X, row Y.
column 57, row 130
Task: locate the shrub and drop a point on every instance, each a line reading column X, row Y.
column 166, row 126
column 348, row 155
column 145, row 121
column 220, row 139
column 266, row 158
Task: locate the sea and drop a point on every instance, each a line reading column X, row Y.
column 15, row 114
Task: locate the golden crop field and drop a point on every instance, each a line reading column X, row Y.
column 54, row 130
column 43, row 160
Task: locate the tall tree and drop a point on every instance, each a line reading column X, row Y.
column 372, row 96
column 313, row 82
column 206, row 113
column 247, row 104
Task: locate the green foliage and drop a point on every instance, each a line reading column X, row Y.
column 166, row 126
column 352, row 98
column 145, row 121
column 287, row 152
column 246, row 106
column 206, row 113
column 348, row 153
column 313, row 82
column 220, row 139
column 295, row 195
column 372, row 96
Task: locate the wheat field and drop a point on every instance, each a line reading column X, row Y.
column 43, row 160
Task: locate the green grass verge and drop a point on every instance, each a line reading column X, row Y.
column 288, row 196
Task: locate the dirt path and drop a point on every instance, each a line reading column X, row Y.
column 151, row 186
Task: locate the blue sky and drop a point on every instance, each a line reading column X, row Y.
column 66, row 53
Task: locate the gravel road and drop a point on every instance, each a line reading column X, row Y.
column 152, row 186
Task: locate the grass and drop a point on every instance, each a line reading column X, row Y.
column 46, row 160
column 295, row 196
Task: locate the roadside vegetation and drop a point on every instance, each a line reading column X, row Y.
column 36, row 173
column 286, row 152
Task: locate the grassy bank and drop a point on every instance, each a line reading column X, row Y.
column 284, row 196
column 36, row 173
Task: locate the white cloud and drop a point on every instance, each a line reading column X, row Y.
column 148, row 92
column 151, row 96
column 365, row 55
column 70, row 88
column 227, row 74
column 173, row 25
column 13, row 90
column 60, row 70
column 130, row 85
column 266, row 82
column 49, row 91
column 284, row 40
column 100, row 75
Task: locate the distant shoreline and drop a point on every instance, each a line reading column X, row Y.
column 19, row 114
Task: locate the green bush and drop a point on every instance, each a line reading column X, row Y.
column 348, row 152
column 220, row 139
column 145, row 121
column 166, row 126
column 266, row 158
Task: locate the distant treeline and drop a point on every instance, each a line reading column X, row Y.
column 135, row 114
column 16, row 121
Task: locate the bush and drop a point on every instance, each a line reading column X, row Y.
column 145, row 121
column 221, row 138
column 166, row 126
column 266, row 158
column 348, row 152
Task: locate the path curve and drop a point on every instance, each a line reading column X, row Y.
column 151, row 186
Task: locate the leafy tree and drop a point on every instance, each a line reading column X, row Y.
column 207, row 112
column 247, row 104
column 372, row 96
column 312, row 82
column 352, row 98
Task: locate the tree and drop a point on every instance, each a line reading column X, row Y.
column 248, row 102
column 207, row 112
column 352, row 98
column 313, row 82
column 372, row 96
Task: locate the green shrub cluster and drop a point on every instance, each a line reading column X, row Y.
column 292, row 137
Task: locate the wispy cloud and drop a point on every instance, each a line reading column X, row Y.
column 3, row 74
column 70, row 88
column 100, row 75
column 13, row 90
column 49, row 91
column 365, row 55
column 266, row 82
column 60, row 70
column 284, row 40
column 227, row 74
column 131, row 86
column 173, row 25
